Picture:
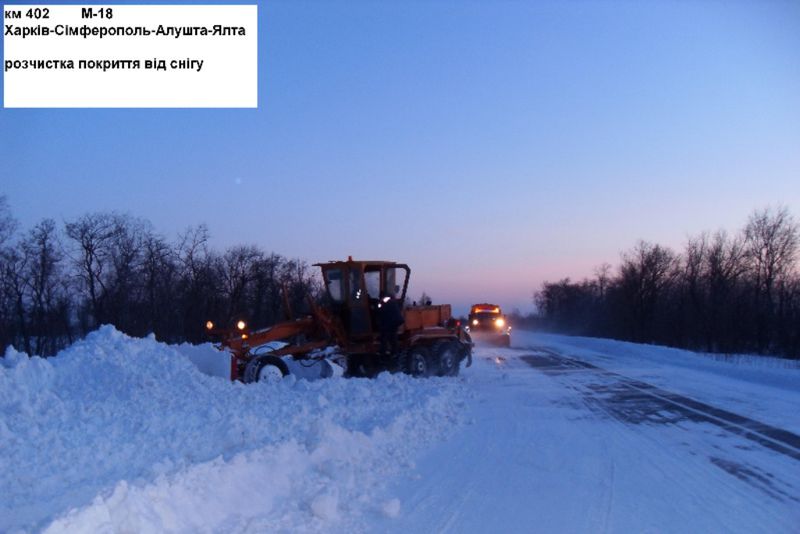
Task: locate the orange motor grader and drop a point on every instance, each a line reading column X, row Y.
column 342, row 333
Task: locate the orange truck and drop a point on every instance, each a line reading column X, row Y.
column 488, row 324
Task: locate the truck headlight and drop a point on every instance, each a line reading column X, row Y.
column 500, row 323
column 241, row 325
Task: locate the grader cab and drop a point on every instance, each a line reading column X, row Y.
column 343, row 331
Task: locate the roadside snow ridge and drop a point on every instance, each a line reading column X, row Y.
column 121, row 434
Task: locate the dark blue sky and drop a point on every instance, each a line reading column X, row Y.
column 490, row 145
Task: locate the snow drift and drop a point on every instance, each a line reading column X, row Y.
column 120, row 434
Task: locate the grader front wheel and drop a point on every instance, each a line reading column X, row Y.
column 266, row 368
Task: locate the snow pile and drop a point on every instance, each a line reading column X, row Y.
column 120, row 434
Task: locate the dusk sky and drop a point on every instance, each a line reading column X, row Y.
column 489, row 145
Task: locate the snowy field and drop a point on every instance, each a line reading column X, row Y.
column 556, row 434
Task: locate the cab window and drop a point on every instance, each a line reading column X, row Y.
column 395, row 280
column 333, row 281
column 372, row 280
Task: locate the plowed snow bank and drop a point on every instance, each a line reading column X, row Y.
column 131, row 436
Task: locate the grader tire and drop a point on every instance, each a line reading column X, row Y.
column 265, row 369
column 418, row 362
column 448, row 358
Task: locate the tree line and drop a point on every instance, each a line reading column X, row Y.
column 724, row 293
column 59, row 282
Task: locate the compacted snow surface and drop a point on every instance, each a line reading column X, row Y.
column 130, row 435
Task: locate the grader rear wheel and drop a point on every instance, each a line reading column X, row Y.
column 418, row 362
column 448, row 358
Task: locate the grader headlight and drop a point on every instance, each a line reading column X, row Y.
column 241, row 325
column 209, row 325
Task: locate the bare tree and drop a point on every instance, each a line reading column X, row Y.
column 92, row 235
column 200, row 283
column 8, row 276
column 8, row 225
column 239, row 272
column 771, row 241
column 694, row 302
column 602, row 274
column 124, row 279
column 43, row 253
column 645, row 274
column 300, row 284
column 266, row 302
column 723, row 269
column 15, row 305
column 159, row 272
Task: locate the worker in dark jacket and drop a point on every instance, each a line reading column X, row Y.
column 390, row 317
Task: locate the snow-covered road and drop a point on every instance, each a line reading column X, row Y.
column 556, row 434
column 559, row 447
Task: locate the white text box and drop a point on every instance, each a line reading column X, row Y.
column 189, row 56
